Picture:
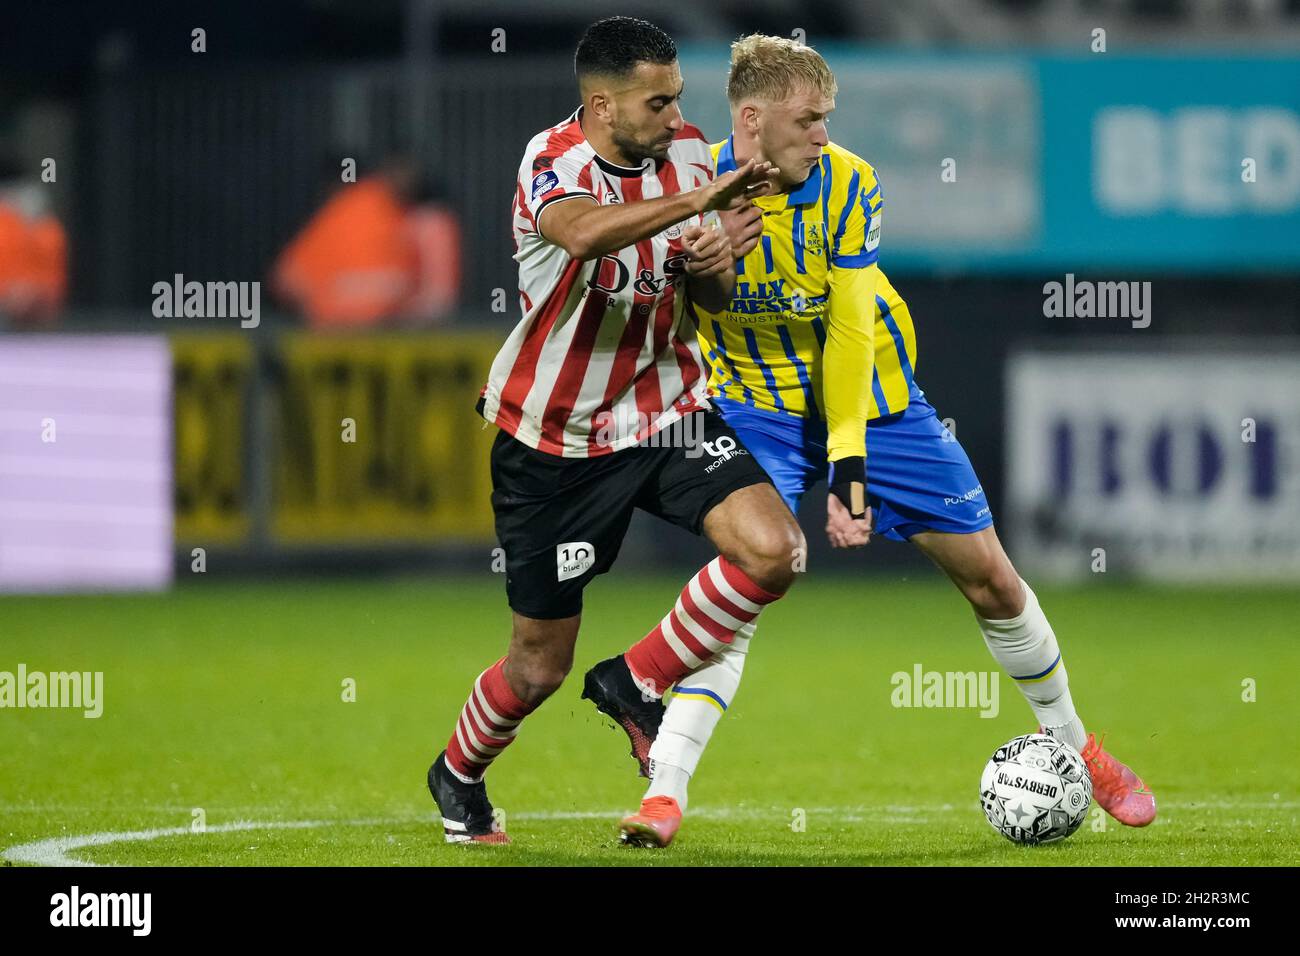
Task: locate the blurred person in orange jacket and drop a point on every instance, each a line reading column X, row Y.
column 435, row 229
column 33, row 251
column 372, row 256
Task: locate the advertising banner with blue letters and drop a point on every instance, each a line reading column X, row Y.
column 1171, row 466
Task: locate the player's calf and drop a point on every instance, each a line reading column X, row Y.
column 540, row 657
column 714, row 605
column 979, row 567
column 487, row 725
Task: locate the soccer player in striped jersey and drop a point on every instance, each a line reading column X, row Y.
column 814, row 344
column 603, row 365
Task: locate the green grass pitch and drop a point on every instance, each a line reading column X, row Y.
column 226, row 698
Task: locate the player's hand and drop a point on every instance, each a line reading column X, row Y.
column 708, row 251
column 843, row 530
column 744, row 226
column 734, row 189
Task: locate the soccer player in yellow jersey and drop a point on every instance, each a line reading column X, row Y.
column 811, row 364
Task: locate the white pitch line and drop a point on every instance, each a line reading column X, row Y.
column 60, row 808
column 54, row 851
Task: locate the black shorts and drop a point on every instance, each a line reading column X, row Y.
column 561, row 521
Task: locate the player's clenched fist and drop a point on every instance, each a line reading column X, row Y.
column 708, row 251
column 744, row 226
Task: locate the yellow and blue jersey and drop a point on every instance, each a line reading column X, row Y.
column 769, row 348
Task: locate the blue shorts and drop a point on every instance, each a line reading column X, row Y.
column 918, row 475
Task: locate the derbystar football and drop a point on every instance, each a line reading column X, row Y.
column 1035, row 789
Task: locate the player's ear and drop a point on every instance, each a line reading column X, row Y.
column 599, row 102
column 750, row 118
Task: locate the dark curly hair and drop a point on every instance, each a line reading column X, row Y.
column 615, row 45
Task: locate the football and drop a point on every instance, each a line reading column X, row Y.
column 1035, row 789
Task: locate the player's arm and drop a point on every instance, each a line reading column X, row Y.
column 849, row 360
column 585, row 229
column 847, row 368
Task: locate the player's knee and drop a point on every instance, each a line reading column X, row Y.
column 539, row 681
column 997, row 594
column 537, row 678
column 773, row 551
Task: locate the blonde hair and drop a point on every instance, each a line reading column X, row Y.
column 772, row 68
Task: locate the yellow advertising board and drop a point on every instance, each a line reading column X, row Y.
column 212, row 379
column 376, row 440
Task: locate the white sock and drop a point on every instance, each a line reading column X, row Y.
column 1026, row 648
column 1072, row 733
column 668, row 781
column 697, row 705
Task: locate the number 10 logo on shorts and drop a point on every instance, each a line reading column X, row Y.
column 573, row 559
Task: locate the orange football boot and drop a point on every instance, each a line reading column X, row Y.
column 1118, row 789
column 654, row 825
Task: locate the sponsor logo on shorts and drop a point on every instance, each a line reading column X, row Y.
column 724, row 449
column 574, row 559
column 971, row 495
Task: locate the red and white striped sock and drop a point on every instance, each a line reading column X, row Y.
column 717, row 602
column 487, row 726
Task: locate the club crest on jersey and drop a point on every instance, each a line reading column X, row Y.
column 544, row 182
column 814, row 238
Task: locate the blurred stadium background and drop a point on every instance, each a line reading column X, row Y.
column 1013, row 150
column 1015, row 153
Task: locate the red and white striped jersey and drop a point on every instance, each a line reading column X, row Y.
column 606, row 353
